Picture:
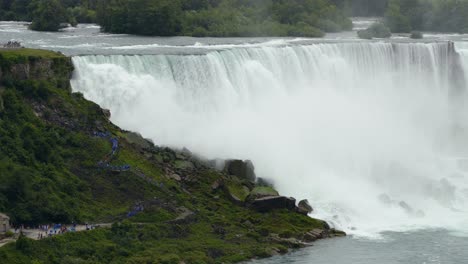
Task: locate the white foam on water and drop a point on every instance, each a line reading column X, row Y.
column 370, row 133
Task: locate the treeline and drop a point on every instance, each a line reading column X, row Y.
column 427, row 15
column 237, row 18
column 49, row 15
column 363, row 8
column 222, row 18
column 218, row 18
column 411, row 15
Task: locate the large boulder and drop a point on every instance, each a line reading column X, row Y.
column 269, row 203
column 241, row 169
column 237, row 192
column 262, row 191
column 304, row 207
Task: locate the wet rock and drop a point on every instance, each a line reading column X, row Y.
column 288, row 242
column 405, row 207
column 313, row 235
column 304, row 207
column 270, row 203
column 241, row 169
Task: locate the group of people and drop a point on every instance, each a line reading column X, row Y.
column 57, row 229
column 115, row 146
column 136, row 209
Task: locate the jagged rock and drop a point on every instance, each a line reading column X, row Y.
column 241, row 169
column 304, row 207
column 288, row 242
column 106, row 113
column 270, row 203
column 314, row 235
column 336, row 233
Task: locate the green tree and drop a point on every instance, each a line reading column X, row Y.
column 396, row 21
column 47, row 15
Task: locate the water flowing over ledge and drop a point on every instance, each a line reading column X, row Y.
column 372, row 133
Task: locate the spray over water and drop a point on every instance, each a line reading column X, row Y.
column 371, row 133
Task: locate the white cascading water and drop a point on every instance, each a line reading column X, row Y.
column 370, row 133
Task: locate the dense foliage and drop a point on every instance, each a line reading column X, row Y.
column 47, row 155
column 49, row 15
column 308, row 18
column 362, row 7
column 408, row 15
column 222, row 18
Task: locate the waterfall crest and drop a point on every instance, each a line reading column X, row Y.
column 372, row 133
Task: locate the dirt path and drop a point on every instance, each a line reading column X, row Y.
column 35, row 233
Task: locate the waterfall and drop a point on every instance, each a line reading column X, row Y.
column 373, row 134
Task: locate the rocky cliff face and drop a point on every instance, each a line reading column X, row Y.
column 167, row 206
column 21, row 65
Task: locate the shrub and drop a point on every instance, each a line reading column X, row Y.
column 9, row 234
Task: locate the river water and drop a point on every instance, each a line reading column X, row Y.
column 373, row 133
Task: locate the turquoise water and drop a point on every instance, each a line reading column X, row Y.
column 422, row 247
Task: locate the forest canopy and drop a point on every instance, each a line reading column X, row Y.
column 222, row 18
column 237, row 18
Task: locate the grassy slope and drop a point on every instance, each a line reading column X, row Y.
column 63, row 184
